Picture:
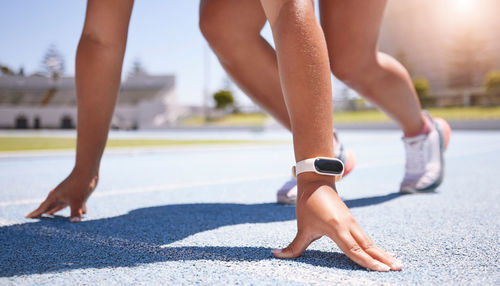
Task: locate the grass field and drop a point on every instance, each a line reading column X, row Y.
column 250, row 119
column 451, row 114
column 56, row 143
column 360, row 116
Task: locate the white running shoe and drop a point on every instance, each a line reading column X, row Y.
column 287, row 194
column 424, row 158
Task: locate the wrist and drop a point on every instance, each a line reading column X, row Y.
column 309, row 181
column 84, row 171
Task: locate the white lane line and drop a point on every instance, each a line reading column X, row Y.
column 21, row 202
column 166, row 187
column 368, row 165
column 150, row 149
column 188, row 185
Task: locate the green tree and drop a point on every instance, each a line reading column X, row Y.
column 53, row 63
column 423, row 88
column 137, row 68
column 6, row 70
column 223, row 98
column 492, row 82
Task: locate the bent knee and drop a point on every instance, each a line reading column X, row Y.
column 222, row 24
column 214, row 24
column 209, row 23
column 354, row 71
column 102, row 41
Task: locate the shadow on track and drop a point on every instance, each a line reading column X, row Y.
column 54, row 244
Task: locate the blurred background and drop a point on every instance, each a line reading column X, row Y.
column 171, row 79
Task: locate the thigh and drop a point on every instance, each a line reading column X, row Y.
column 231, row 16
column 351, row 28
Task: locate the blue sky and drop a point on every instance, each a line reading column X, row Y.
column 163, row 35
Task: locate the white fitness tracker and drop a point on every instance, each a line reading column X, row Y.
column 320, row 165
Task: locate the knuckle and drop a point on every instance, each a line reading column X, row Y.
column 355, row 249
column 334, row 223
column 292, row 250
column 368, row 245
column 352, row 220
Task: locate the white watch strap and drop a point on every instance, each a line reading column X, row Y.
column 306, row 165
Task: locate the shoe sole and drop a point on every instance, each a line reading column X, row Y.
column 284, row 200
column 444, row 132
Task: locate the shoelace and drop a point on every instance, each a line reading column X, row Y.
column 415, row 155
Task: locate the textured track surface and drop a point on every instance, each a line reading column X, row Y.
column 207, row 216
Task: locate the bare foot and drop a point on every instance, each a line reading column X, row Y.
column 320, row 211
column 73, row 192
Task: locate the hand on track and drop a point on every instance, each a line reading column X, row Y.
column 320, row 211
column 73, row 192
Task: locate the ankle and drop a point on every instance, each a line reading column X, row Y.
column 425, row 129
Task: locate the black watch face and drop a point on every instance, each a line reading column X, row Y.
column 329, row 166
